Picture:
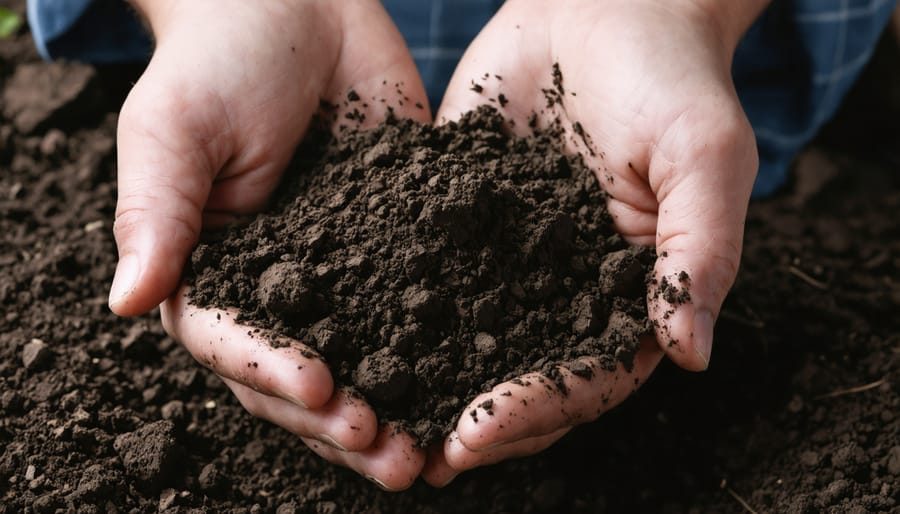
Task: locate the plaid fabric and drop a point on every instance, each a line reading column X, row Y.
column 437, row 33
column 792, row 69
column 98, row 31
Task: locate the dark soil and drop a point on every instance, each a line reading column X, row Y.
column 798, row 412
column 428, row 264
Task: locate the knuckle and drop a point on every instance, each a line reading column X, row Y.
column 181, row 223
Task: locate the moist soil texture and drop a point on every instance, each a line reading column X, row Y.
column 428, row 264
column 798, row 412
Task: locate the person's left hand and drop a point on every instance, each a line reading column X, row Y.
column 646, row 96
column 203, row 139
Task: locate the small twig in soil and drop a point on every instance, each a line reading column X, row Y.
column 851, row 390
column 736, row 496
column 797, row 272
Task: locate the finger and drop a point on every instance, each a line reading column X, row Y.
column 383, row 81
column 392, row 462
column 169, row 150
column 533, row 405
column 484, row 73
column 636, row 226
column 345, row 422
column 703, row 192
column 437, row 472
column 460, row 458
column 291, row 371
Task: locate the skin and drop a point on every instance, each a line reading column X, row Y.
column 206, row 132
column 204, row 137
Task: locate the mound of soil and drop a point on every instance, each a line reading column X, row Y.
column 797, row 413
column 428, row 264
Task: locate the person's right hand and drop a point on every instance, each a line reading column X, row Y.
column 203, row 137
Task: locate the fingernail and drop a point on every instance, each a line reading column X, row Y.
column 445, row 484
column 379, row 483
column 327, row 439
column 491, row 446
column 127, row 272
column 296, row 401
column 703, row 334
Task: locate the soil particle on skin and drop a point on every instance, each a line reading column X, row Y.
column 428, row 264
column 675, row 291
column 558, row 79
column 555, row 95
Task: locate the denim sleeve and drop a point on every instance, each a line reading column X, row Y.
column 98, row 31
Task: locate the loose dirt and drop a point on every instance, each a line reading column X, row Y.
column 428, row 264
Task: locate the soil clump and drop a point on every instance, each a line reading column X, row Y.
column 427, row 264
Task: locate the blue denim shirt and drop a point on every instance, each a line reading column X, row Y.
column 792, row 69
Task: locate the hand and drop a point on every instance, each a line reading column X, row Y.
column 203, row 137
column 649, row 82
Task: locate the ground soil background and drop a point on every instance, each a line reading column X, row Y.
column 102, row 414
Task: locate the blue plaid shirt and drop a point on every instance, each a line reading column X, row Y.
column 792, row 69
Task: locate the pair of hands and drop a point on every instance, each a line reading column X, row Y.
column 231, row 89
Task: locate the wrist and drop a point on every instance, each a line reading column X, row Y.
column 730, row 19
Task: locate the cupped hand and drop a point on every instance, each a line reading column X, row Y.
column 204, row 137
column 527, row 415
column 647, row 97
column 289, row 385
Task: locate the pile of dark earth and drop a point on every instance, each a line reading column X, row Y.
column 427, row 263
column 798, row 412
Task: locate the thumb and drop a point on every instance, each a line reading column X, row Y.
column 703, row 190
column 168, row 153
